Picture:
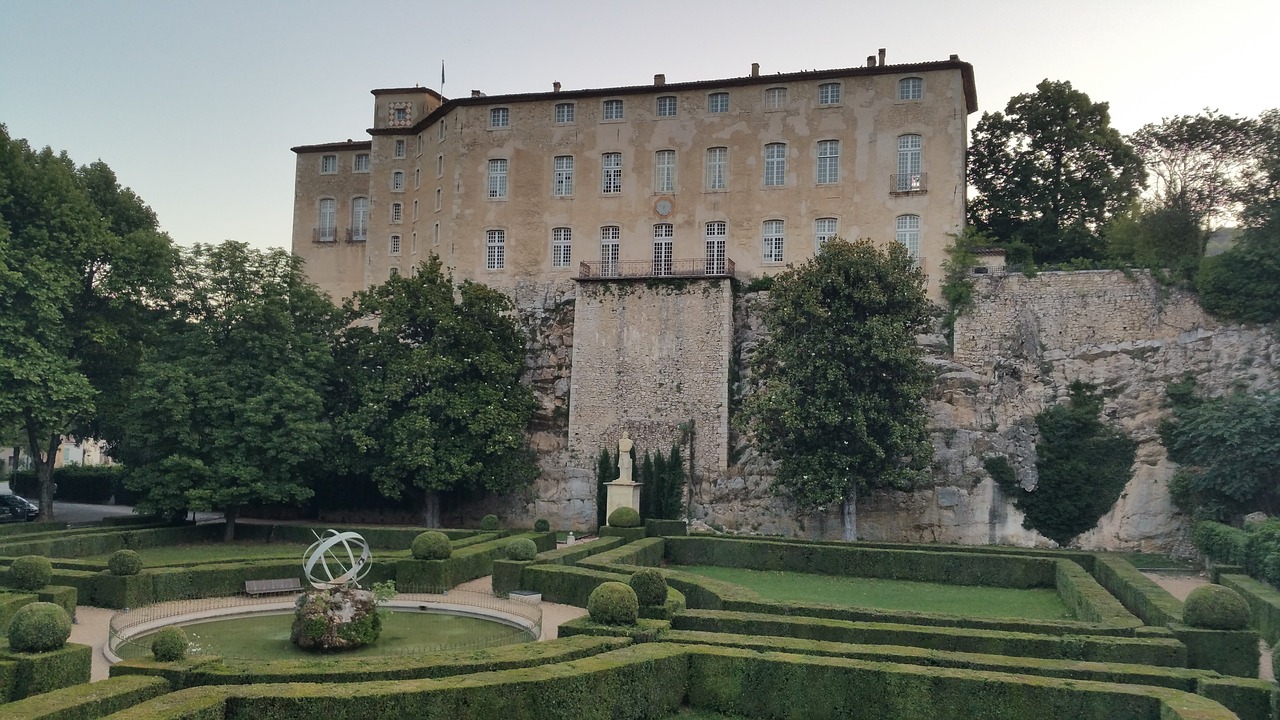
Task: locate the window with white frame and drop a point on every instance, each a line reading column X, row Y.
column 328, row 164
column 664, row 171
column 775, row 164
column 828, row 161
column 399, row 151
column 909, row 148
column 829, row 93
column 908, row 234
column 497, row 178
column 440, row 166
column 717, row 231
column 439, row 194
column 561, row 246
column 495, row 253
column 717, row 168
column 824, row 229
column 397, row 181
column 718, row 102
column 609, row 237
column 328, row 221
column 562, row 181
column 359, row 219
column 360, row 163
column 499, row 117
column 663, row 240
column 394, row 247
column 565, row 113
column 612, row 109
column 397, row 212
column 667, row 106
column 774, row 240
column 910, row 88
column 611, row 173
column 775, row 98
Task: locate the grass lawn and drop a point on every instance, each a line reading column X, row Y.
column 1039, row 604
column 232, row 551
column 1154, row 561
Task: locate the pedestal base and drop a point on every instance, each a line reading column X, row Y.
column 622, row 494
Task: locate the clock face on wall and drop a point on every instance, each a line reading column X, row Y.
column 663, row 206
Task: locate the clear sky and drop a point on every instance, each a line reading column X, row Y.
column 196, row 104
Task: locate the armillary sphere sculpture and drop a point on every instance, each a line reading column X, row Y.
column 326, row 555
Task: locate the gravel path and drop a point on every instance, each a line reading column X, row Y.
column 1181, row 585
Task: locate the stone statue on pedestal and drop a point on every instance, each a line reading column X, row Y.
column 624, row 458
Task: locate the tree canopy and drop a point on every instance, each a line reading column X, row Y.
column 840, row 403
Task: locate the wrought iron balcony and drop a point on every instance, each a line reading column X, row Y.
column 357, row 235
column 324, row 234
column 908, row 184
column 703, row 267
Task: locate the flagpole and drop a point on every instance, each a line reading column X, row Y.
column 442, row 80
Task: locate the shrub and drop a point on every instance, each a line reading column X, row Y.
column 1215, row 607
column 30, row 572
column 650, row 587
column 541, row 525
column 170, row 644
column 489, row 523
column 613, row 603
column 521, row 549
column 39, row 627
column 432, row 545
column 624, row 517
column 124, row 562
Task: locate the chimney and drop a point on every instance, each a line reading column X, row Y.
column 871, row 61
column 755, row 69
column 881, row 63
column 555, row 86
column 660, row 79
column 955, row 58
column 476, row 93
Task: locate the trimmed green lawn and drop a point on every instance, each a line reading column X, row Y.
column 227, row 552
column 1039, row 604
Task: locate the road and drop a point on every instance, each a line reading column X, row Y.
column 86, row 514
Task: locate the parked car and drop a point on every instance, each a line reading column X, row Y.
column 15, row 508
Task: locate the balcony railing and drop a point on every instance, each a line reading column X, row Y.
column 908, row 184
column 703, row 267
column 324, row 234
column 357, row 235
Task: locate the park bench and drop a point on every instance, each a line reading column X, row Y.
column 272, row 587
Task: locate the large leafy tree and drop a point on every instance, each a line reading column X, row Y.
column 1050, row 171
column 841, row 404
column 82, row 265
column 431, row 400
column 228, row 408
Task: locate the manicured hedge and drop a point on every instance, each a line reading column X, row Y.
column 645, row 552
column 104, row 542
column 674, row 603
column 1221, row 543
column 1011, row 571
column 506, row 575
column 122, row 591
column 1140, row 594
column 571, row 554
column 9, row 604
column 468, row 563
column 1088, row 600
column 628, row 534
column 132, row 520
column 1264, row 604
column 654, row 527
column 60, row 595
column 92, row 700
column 378, row 536
column 1230, row 652
column 30, row 528
column 567, row 585
column 42, row 672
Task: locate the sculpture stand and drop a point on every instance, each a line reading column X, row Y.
column 622, row 494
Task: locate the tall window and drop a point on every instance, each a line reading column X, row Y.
column 328, row 220
column 561, row 246
column 497, row 178
column 612, row 109
column 908, row 233
column 911, row 88
column 717, row 168
column 440, row 130
column 435, row 238
column 908, row 163
column 824, row 229
column 439, row 166
column 415, row 209
column 774, row 240
column 775, row 164
column 828, row 161
column 397, row 212
column 394, row 249
column 829, row 94
column 564, row 113
column 399, row 152
column 667, row 106
column 562, row 185
column 495, row 255
column 359, row 219
column 360, row 163
column 664, row 171
column 716, row 232
column 609, row 236
column 328, row 164
column 663, row 238
column 775, row 98
column 393, row 271
column 439, row 193
column 397, row 181
column 718, row 102
column 499, row 117
column 611, row 173
column 417, row 178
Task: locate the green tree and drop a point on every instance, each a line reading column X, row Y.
column 842, row 383
column 227, row 409
column 1050, row 171
column 432, row 399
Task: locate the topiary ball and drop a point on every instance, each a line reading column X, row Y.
column 541, row 525
column 521, row 549
column 624, row 517
column 170, row 644
column 39, row 627
column 613, row 603
column 30, row 572
column 650, row 587
column 489, row 523
column 432, row 545
column 124, row 562
column 1214, row 607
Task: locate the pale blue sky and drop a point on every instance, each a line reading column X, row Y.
column 195, row 105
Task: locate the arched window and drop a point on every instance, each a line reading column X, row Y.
column 824, row 229
column 717, row 168
column 828, row 161
column 327, row 224
column 497, row 179
column 909, row 178
column 397, row 181
column 910, row 88
column 908, row 233
column 664, row 171
column 359, row 219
